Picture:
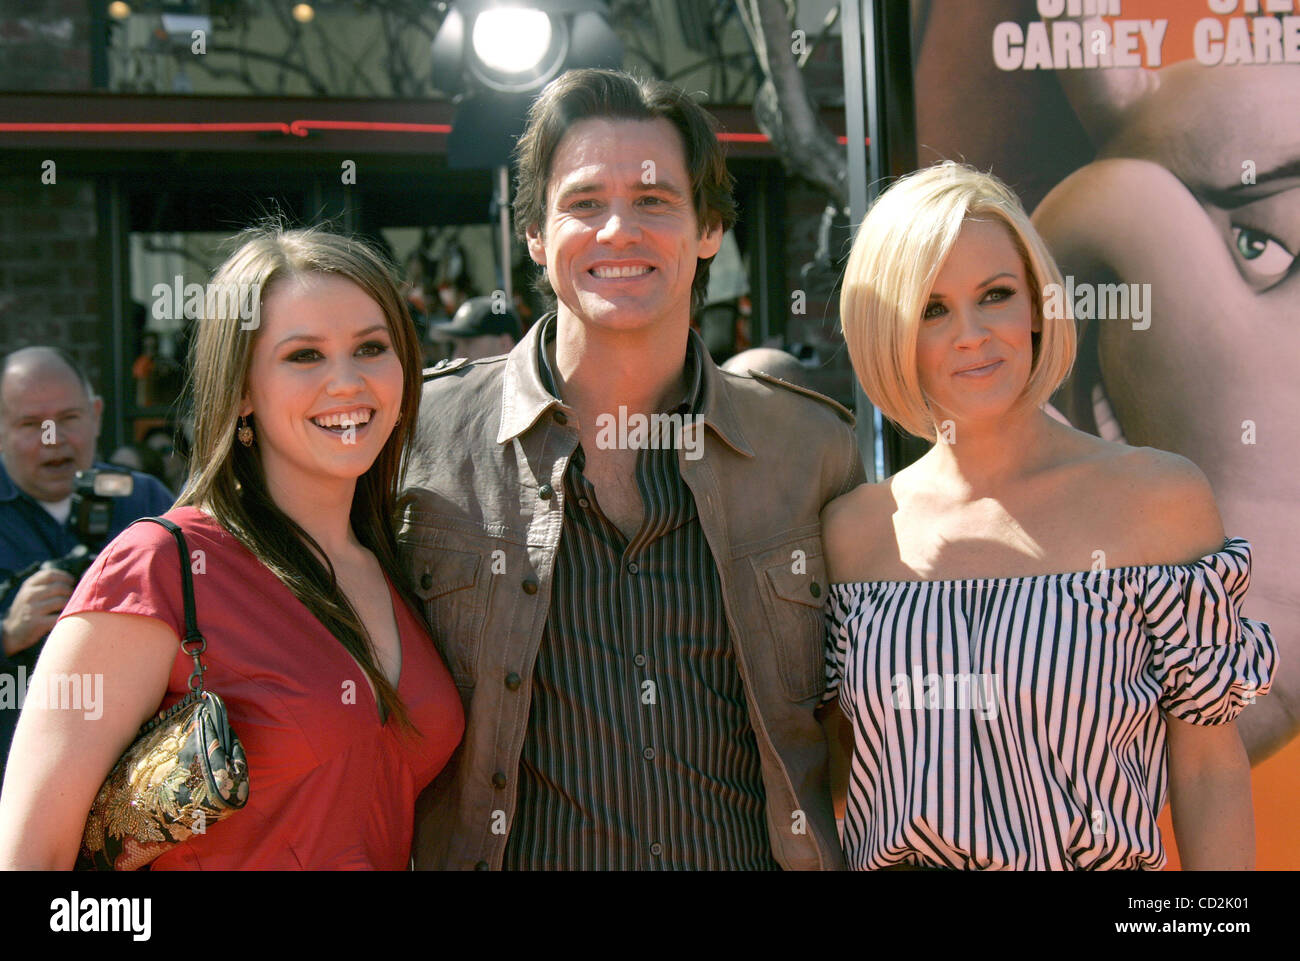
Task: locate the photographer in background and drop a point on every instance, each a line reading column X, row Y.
column 478, row 329
column 49, row 423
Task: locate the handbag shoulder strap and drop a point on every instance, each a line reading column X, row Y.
column 193, row 643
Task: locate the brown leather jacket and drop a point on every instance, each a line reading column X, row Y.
column 480, row 522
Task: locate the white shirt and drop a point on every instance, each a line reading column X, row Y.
column 59, row 510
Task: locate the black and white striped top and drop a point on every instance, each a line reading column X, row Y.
column 1016, row 723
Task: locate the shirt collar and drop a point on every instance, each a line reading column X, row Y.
column 528, row 388
column 689, row 404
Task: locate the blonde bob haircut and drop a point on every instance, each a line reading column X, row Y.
column 896, row 256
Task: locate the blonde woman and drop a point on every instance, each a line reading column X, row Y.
column 303, row 408
column 1024, row 620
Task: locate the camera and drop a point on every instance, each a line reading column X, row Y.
column 93, row 494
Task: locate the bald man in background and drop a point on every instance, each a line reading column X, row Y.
column 49, row 425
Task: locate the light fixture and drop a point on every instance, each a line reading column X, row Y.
column 494, row 56
column 517, row 47
column 119, row 10
column 511, row 42
column 303, row 12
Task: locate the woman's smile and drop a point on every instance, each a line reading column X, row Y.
column 981, row 372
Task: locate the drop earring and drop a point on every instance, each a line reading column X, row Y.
column 245, row 433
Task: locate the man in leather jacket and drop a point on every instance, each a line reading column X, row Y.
column 618, row 544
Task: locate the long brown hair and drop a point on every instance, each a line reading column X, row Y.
column 226, row 479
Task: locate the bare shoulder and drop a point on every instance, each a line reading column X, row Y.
column 858, row 506
column 1180, row 517
column 858, row 531
column 1164, row 501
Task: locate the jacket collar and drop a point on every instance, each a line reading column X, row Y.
column 525, row 399
column 8, row 489
column 689, row 404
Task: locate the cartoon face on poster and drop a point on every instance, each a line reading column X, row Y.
column 1157, row 145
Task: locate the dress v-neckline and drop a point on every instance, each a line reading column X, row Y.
column 393, row 602
column 401, row 656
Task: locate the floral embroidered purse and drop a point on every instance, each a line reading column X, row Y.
column 184, row 772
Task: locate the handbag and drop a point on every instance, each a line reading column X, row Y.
column 184, row 771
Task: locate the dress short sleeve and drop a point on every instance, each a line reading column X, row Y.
column 1210, row 661
column 138, row 572
column 837, row 612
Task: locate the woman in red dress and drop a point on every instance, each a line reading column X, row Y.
column 305, row 397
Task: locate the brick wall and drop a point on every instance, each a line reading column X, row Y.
column 48, row 277
column 45, row 45
column 49, row 288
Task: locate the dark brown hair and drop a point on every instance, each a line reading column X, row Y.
column 584, row 94
column 226, row 479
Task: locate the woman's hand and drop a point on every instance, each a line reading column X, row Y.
column 63, row 751
column 1209, row 788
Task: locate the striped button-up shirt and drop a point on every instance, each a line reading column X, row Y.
column 639, row 752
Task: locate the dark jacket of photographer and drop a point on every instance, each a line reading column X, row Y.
column 29, row 534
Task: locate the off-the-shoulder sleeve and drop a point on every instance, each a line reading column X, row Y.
column 1211, row 661
column 138, row 572
column 837, row 638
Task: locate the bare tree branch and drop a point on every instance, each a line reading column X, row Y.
column 782, row 106
column 831, row 19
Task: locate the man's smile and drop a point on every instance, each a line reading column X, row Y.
column 620, row 272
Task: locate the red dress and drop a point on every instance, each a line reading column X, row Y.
column 329, row 786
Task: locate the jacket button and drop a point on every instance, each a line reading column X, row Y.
column 426, row 580
column 560, row 418
column 546, row 492
column 513, row 681
column 639, row 660
column 530, row 586
column 656, row 849
column 498, row 780
column 633, row 567
column 816, row 589
column 648, row 754
column 482, row 866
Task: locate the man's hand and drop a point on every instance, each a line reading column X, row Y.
column 36, row 607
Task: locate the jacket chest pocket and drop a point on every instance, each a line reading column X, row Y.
column 793, row 586
column 453, row 585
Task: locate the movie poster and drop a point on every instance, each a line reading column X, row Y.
column 1157, row 145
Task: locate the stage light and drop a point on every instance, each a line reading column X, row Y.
column 494, row 56
column 514, row 47
column 510, row 41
